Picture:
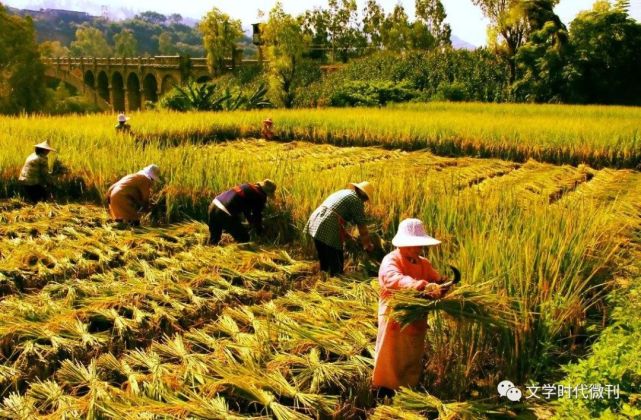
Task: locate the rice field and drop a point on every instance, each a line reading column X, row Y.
column 104, row 322
column 595, row 135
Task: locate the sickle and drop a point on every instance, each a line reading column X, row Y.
column 457, row 274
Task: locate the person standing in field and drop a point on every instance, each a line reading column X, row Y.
column 122, row 125
column 226, row 208
column 399, row 349
column 129, row 198
column 326, row 225
column 35, row 175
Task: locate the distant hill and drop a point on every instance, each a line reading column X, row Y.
column 460, row 44
column 55, row 24
column 60, row 25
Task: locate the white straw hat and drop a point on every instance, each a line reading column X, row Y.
column 411, row 232
column 122, row 117
column 152, row 172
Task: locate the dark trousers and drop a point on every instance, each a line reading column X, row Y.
column 35, row 193
column 133, row 223
column 383, row 392
column 331, row 259
column 220, row 221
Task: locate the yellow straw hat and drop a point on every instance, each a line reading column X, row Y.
column 45, row 146
column 365, row 187
column 268, row 186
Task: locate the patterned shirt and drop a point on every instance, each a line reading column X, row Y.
column 35, row 170
column 326, row 221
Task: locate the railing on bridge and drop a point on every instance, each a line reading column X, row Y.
column 165, row 62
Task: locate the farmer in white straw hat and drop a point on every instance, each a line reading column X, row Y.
column 129, row 198
column 122, row 123
column 35, row 175
column 226, row 209
column 326, row 225
column 397, row 361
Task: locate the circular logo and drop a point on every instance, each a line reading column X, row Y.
column 514, row 394
column 503, row 387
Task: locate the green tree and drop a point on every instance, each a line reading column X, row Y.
column 152, row 17
column 421, row 38
column 220, row 34
column 175, row 18
column 507, row 30
column 542, row 59
column 22, row 85
column 397, row 31
column 432, row 14
column 166, row 45
column 90, row 42
column 315, row 26
column 53, row 49
column 285, row 46
column 146, row 34
column 604, row 65
column 345, row 36
column 373, row 20
column 126, row 44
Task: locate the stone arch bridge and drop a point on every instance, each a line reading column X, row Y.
column 126, row 84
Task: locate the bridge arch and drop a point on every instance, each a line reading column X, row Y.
column 90, row 79
column 133, row 92
column 102, row 86
column 150, row 87
column 109, row 83
column 118, row 92
column 75, row 81
column 167, row 84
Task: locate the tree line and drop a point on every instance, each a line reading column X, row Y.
column 594, row 60
column 531, row 56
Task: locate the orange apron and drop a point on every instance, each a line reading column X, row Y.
column 397, row 361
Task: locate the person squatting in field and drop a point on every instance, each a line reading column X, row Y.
column 122, row 125
column 129, row 198
column 225, row 210
column 35, row 175
column 326, row 225
column 399, row 349
column 268, row 129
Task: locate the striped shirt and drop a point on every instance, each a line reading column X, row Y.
column 324, row 224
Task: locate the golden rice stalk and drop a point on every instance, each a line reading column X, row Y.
column 411, row 401
column 18, row 407
column 463, row 302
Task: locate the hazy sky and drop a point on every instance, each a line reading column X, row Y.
column 466, row 19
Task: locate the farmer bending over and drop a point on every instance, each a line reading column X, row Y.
column 35, row 175
column 225, row 210
column 399, row 350
column 128, row 198
column 327, row 225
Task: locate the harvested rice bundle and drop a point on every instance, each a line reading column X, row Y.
column 411, row 405
column 472, row 303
